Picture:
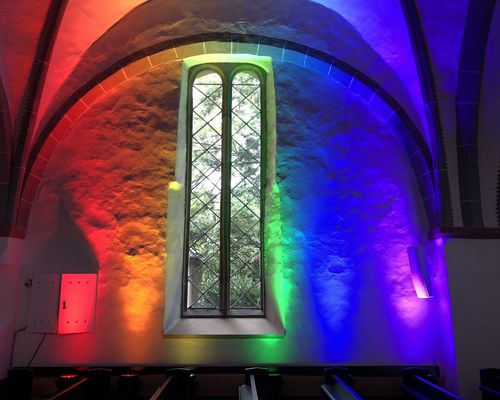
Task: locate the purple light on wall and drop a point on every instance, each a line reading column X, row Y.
column 416, row 257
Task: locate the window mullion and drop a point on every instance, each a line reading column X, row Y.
column 226, row 196
column 263, row 177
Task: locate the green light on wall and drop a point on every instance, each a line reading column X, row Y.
column 275, row 254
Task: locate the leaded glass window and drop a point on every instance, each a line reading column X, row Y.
column 223, row 269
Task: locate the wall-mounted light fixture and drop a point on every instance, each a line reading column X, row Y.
column 419, row 272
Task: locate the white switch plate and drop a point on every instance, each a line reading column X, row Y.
column 77, row 303
column 44, row 303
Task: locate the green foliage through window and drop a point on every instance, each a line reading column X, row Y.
column 223, row 268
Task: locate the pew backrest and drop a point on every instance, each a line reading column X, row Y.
column 337, row 389
column 489, row 393
column 3, row 388
column 161, row 392
column 250, row 391
column 416, row 387
column 245, row 393
column 73, row 392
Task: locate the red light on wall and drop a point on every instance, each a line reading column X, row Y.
column 77, row 303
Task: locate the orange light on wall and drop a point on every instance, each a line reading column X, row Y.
column 77, row 303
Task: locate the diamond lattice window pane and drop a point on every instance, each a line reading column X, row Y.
column 203, row 270
column 245, row 238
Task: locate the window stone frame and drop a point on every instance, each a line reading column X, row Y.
column 271, row 325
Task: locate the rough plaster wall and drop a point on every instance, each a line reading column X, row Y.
column 9, row 297
column 473, row 282
column 349, row 210
column 350, row 215
column 302, row 21
column 489, row 124
column 390, row 40
column 103, row 205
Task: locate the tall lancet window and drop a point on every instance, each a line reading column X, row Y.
column 223, row 260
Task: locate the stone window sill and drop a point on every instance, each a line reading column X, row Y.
column 224, row 327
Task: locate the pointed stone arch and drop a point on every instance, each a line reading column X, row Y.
column 320, row 62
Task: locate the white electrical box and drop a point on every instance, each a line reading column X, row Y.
column 77, row 303
column 44, row 303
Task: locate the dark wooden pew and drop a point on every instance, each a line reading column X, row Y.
column 129, row 385
column 161, row 392
column 338, row 385
column 490, row 383
column 98, row 385
column 74, row 392
column 260, row 385
column 19, row 384
column 249, row 390
column 64, row 381
column 3, row 388
column 419, row 388
column 489, row 394
column 267, row 386
column 180, row 384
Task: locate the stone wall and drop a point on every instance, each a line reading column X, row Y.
column 349, row 210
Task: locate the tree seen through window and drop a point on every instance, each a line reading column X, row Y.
column 223, row 266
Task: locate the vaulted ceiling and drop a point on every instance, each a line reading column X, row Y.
column 413, row 48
